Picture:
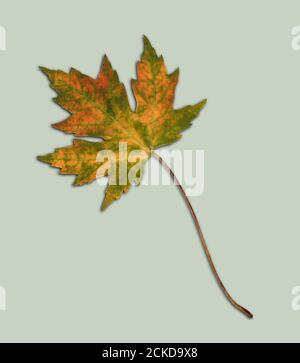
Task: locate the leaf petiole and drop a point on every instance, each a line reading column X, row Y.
column 202, row 239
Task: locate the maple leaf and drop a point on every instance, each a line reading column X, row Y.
column 99, row 108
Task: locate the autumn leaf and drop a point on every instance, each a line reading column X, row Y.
column 99, row 108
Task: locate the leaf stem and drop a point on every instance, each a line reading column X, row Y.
column 202, row 239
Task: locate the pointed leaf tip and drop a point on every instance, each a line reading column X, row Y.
column 145, row 39
column 106, row 68
column 202, row 103
column 45, row 70
column 105, row 204
column 149, row 52
column 105, row 59
column 44, row 158
column 175, row 74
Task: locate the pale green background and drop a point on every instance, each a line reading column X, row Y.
column 137, row 271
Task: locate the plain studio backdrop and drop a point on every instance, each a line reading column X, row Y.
column 136, row 272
